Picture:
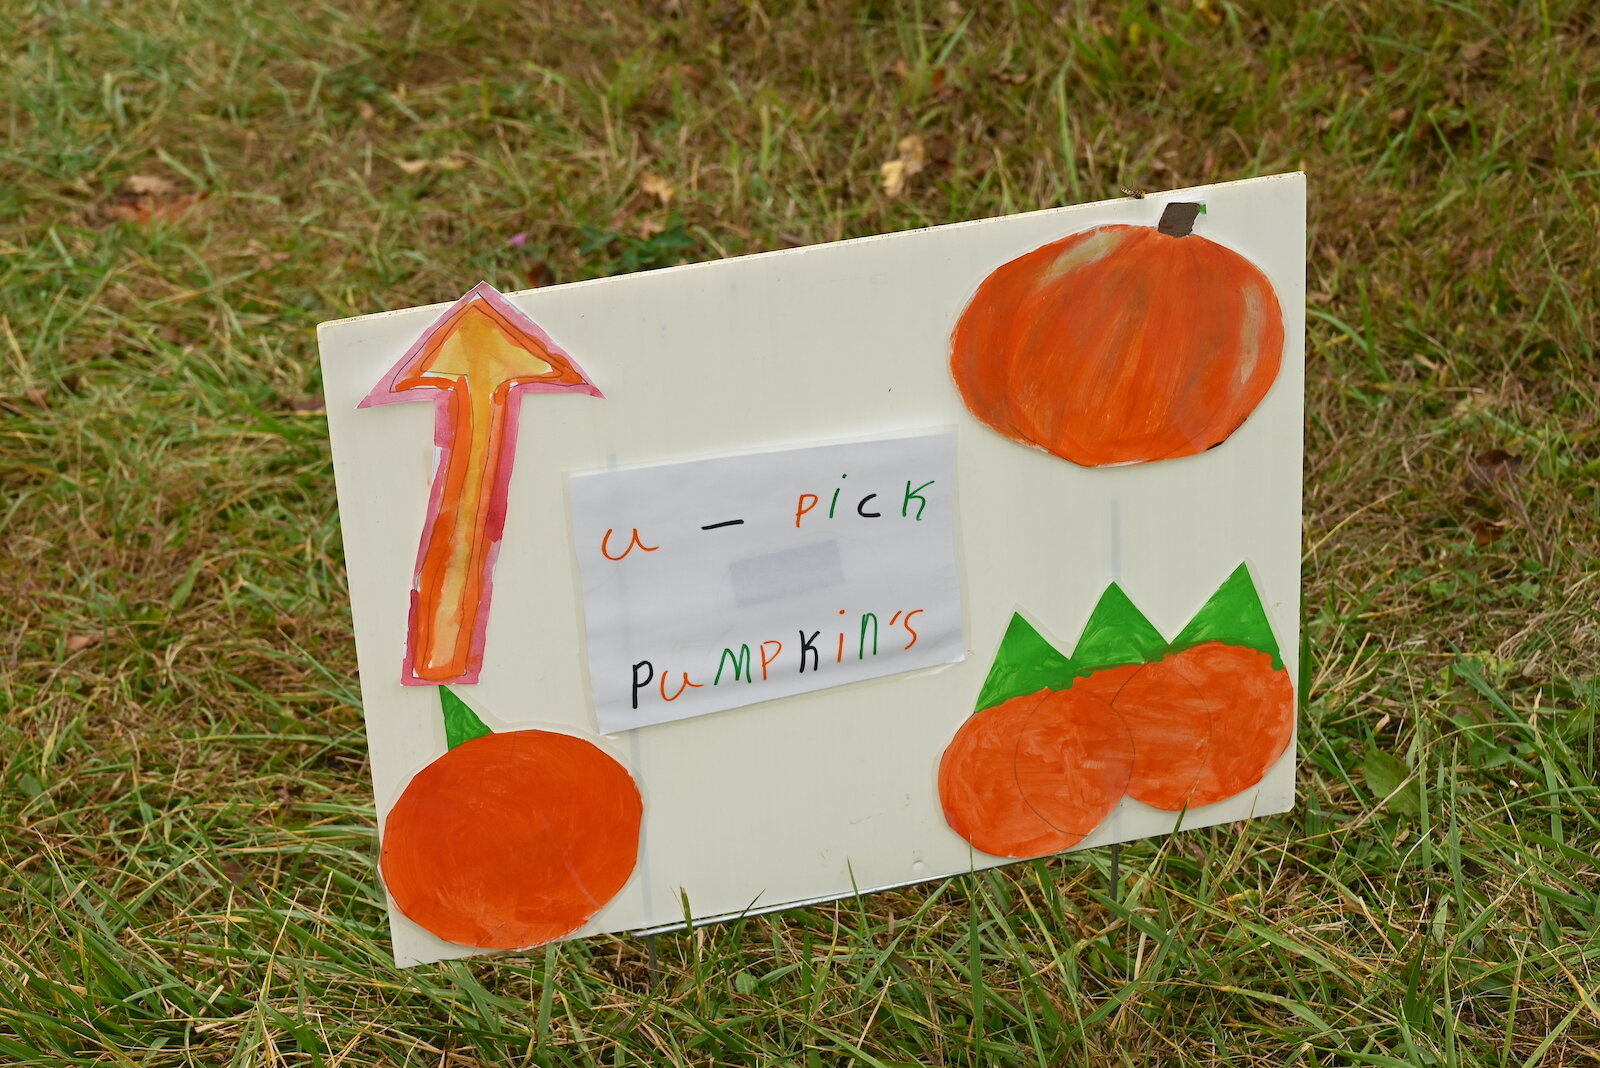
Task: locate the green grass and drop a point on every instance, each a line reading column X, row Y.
column 188, row 825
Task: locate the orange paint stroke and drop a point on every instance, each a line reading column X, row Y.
column 475, row 361
column 1073, row 760
column 1119, row 345
column 910, row 629
column 1171, row 721
column 766, row 661
column 634, row 542
column 511, row 840
column 686, row 684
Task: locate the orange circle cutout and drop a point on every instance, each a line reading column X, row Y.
column 513, row 839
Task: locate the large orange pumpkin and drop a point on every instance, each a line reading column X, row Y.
column 512, row 839
column 1120, row 344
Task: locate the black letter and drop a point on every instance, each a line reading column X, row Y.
column 640, row 683
column 860, row 508
column 807, row 647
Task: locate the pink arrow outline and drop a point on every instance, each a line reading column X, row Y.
column 454, row 575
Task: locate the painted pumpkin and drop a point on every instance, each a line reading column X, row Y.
column 1120, row 344
column 512, row 839
column 1251, row 707
column 1036, row 774
column 1207, row 723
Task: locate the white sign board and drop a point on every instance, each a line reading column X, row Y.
column 1111, row 543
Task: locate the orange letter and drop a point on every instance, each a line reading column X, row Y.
column 605, row 543
column 765, row 659
column 801, row 507
column 909, row 628
column 686, row 684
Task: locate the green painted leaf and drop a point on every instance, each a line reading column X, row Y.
column 461, row 724
column 1024, row 663
column 1117, row 633
column 1233, row 616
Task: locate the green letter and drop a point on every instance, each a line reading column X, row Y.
column 740, row 663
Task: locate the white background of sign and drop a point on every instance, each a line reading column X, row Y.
column 811, row 796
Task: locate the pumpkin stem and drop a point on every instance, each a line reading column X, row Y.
column 1178, row 218
column 461, row 724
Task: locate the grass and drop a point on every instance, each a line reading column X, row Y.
column 188, row 826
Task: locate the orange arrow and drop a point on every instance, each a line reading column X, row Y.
column 475, row 362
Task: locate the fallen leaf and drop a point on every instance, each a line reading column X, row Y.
column 540, row 275
column 452, row 162
column 307, row 404
column 913, row 156
column 147, row 197
column 653, row 185
column 237, row 875
column 1487, row 531
column 77, row 643
column 1391, row 782
column 365, row 110
column 1470, row 54
column 1492, row 468
column 149, row 185
column 648, row 228
column 893, row 174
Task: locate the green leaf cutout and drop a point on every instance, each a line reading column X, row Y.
column 1233, row 616
column 1118, row 633
column 461, row 724
column 1024, row 663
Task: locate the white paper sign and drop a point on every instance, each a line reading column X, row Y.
column 720, row 583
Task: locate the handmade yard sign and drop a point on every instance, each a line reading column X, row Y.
column 847, row 567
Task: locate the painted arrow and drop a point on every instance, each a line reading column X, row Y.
column 475, row 363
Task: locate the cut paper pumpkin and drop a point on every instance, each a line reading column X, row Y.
column 1056, row 741
column 510, row 839
column 1036, row 775
column 1121, row 344
column 1250, row 705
